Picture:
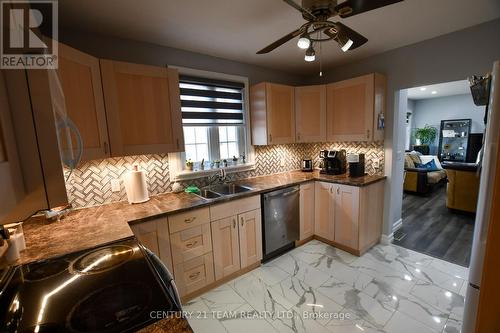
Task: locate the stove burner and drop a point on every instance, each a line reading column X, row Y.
column 102, row 260
column 110, row 309
column 44, row 270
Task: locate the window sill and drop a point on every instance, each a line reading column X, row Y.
column 186, row 175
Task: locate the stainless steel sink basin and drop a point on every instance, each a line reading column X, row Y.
column 208, row 194
column 228, row 189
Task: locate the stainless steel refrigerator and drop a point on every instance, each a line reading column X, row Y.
column 484, row 208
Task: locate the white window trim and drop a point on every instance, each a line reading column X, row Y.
column 176, row 170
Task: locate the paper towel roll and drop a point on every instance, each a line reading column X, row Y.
column 136, row 186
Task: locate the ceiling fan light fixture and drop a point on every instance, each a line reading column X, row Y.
column 310, row 54
column 303, row 42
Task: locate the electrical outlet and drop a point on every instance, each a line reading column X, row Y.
column 115, row 185
column 282, row 162
column 376, row 163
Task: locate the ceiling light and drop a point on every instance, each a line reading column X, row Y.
column 347, row 45
column 344, row 42
column 434, row 92
column 423, row 89
column 448, row 294
column 310, row 54
column 303, row 42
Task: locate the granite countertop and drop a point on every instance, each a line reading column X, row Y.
column 172, row 324
column 89, row 227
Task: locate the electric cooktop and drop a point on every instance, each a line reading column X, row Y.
column 112, row 288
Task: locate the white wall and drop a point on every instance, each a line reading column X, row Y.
column 432, row 110
column 410, row 109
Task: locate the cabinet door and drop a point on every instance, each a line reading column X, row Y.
column 280, row 113
column 347, row 215
column 324, row 200
column 225, row 246
column 155, row 236
column 250, row 234
column 350, row 109
column 306, row 210
column 143, row 108
column 81, row 83
column 310, row 113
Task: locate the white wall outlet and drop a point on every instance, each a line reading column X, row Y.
column 115, row 185
column 376, row 163
column 282, row 162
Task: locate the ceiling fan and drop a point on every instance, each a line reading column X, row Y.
column 319, row 28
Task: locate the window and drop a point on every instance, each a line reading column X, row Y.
column 213, row 118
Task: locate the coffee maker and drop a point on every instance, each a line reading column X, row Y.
column 356, row 165
column 334, row 162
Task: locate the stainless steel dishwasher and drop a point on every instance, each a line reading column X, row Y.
column 280, row 221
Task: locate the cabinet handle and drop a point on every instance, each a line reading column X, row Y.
column 190, row 245
column 234, row 223
column 177, row 141
column 106, row 147
column 190, row 220
column 331, row 189
column 298, row 136
column 242, row 221
column 338, row 190
column 194, row 275
column 367, row 134
column 270, row 137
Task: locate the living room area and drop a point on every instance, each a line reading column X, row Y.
column 443, row 138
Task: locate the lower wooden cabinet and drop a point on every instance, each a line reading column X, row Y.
column 237, row 242
column 226, row 246
column 324, row 206
column 349, row 217
column 194, row 274
column 155, row 236
column 306, row 210
column 190, row 243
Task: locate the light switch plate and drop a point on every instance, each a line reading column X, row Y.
column 115, row 185
column 376, row 163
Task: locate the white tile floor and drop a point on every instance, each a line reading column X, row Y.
column 318, row 288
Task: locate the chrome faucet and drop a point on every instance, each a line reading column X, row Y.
column 218, row 177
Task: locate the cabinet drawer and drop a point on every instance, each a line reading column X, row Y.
column 189, row 219
column 235, row 207
column 194, row 274
column 190, row 243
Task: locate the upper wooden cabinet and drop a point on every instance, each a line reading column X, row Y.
column 310, row 113
column 81, row 83
column 272, row 114
column 143, row 108
column 355, row 107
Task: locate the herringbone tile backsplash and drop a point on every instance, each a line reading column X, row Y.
column 90, row 183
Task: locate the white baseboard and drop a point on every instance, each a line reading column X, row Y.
column 386, row 239
column 398, row 224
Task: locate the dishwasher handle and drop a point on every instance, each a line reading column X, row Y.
column 282, row 193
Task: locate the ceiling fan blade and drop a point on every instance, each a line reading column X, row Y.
column 343, row 30
column 280, row 41
column 305, row 13
column 350, row 8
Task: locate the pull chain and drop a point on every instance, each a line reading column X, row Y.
column 320, row 59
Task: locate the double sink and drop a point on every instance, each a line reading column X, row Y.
column 219, row 190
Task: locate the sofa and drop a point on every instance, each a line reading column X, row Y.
column 421, row 180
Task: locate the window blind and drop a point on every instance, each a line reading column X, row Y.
column 211, row 102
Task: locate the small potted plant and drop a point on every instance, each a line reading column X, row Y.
column 235, row 160
column 217, row 163
column 189, row 165
column 202, row 164
column 224, row 163
column 425, row 135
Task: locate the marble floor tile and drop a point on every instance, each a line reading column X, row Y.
column 439, row 298
column 308, row 301
column 297, row 323
column 389, row 253
column 353, row 277
column 223, row 298
column 200, row 317
column 353, row 326
column 271, row 275
column 452, row 269
column 300, row 270
column 407, row 304
column 323, row 250
column 453, row 325
column 245, row 320
column 401, row 323
column 258, row 294
column 357, row 303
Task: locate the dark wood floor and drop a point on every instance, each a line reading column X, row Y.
column 432, row 229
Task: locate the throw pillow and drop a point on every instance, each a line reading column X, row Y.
column 430, row 166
